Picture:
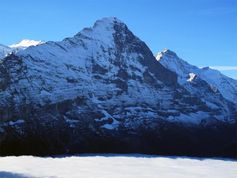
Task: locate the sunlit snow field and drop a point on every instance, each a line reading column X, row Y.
column 115, row 166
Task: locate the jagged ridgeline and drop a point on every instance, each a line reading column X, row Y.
column 104, row 91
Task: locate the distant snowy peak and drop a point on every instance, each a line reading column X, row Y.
column 187, row 72
column 170, row 60
column 4, row 51
column 22, row 45
column 167, row 52
column 26, row 43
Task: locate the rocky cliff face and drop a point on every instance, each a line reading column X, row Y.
column 103, row 91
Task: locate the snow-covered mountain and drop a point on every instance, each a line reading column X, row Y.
column 14, row 48
column 104, row 91
column 187, row 74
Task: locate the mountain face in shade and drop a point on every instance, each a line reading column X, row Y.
column 104, row 91
column 4, row 51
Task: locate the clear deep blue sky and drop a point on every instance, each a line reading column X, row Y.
column 203, row 32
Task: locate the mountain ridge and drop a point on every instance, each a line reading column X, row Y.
column 14, row 48
column 226, row 85
column 104, row 91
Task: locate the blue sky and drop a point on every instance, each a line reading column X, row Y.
column 202, row 32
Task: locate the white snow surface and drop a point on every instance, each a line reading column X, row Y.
column 191, row 77
column 116, row 166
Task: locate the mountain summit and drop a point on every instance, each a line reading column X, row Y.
column 104, row 91
column 217, row 81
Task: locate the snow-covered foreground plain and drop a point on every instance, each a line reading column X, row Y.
column 115, row 166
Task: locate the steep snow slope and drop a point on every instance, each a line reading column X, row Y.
column 103, row 90
column 227, row 86
column 187, row 73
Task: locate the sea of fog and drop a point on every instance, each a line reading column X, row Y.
column 116, row 166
